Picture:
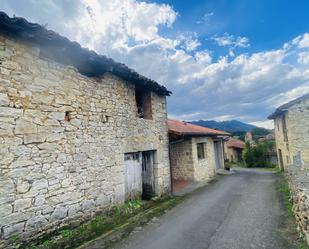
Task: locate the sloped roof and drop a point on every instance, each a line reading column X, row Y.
column 283, row 108
column 60, row 49
column 184, row 128
column 235, row 143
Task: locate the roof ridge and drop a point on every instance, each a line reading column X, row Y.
column 283, row 108
column 62, row 50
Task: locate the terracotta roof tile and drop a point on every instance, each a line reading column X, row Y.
column 184, row 128
column 234, row 143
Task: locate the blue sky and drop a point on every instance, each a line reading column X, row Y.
column 222, row 59
column 266, row 23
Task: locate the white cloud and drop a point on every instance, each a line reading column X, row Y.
column 302, row 41
column 206, row 17
column 269, row 124
column 188, row 41
column 246, row 87
column 303, row 58
column 231, row 41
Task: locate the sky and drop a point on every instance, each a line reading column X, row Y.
column 222, row 59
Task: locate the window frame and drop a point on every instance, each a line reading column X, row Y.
column 200, row 148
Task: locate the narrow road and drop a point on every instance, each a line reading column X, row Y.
column 240, row 211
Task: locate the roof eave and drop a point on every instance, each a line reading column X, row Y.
column 276, row 114
column 60, row 49
column 199, row 134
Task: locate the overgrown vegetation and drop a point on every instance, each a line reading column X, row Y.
column 69, row 237
column 257, row 156
column 283, row 188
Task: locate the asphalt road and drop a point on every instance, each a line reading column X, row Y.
column 239, row 211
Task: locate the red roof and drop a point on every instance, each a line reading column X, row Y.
column 234, row 143
column 184, row 128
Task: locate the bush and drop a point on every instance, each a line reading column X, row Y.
column 256, row 156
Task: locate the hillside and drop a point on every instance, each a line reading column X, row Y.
column 230, row 125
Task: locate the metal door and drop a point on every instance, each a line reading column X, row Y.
column 218, row 154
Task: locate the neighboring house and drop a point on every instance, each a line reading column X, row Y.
column 248, row 136
column 196, row 152
column 292, row 132
column 233, row 150
column 79, row 132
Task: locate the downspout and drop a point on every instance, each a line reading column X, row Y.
column 169, row 152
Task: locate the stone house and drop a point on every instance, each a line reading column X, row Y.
column 292, row 132
column 196, row 152
column 79, row 132
column 233, row 150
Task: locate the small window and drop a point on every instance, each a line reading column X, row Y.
column 143, row 103
column 200, row 150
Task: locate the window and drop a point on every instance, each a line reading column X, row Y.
column 201, row 150
column 143, row 103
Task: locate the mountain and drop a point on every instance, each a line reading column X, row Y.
column 230, row 125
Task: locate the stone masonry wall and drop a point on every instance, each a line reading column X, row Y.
column 230, row 154
column 204, row 169
column 185, row 163
column 298, row 132
column 181, row 160
column 298, row 179
column 297, row 146
column 54, row 170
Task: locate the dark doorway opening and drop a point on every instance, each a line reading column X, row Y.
column 147, row 174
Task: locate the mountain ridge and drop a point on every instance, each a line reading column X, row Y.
column 228, row 125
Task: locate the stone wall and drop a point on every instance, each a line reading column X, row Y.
column 185, row 163
column 181, row 160
column 62, row 142
column 230, row 154
column 298, row 179
column 204, row 169
column 297, row 146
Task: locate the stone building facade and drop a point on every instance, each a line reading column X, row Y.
column 233, row 150
column 292, row 141
column 292, row 132
column 196, row 153
column 64, row 135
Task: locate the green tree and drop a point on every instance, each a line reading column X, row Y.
column 255, row 156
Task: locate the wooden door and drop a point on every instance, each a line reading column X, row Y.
column 133, row 175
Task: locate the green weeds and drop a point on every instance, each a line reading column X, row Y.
column 283, row 188
column 115, row 217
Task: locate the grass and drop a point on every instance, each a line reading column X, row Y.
column 283, row 188
column 106, row 223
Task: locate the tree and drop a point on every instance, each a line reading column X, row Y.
column 255, row 156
